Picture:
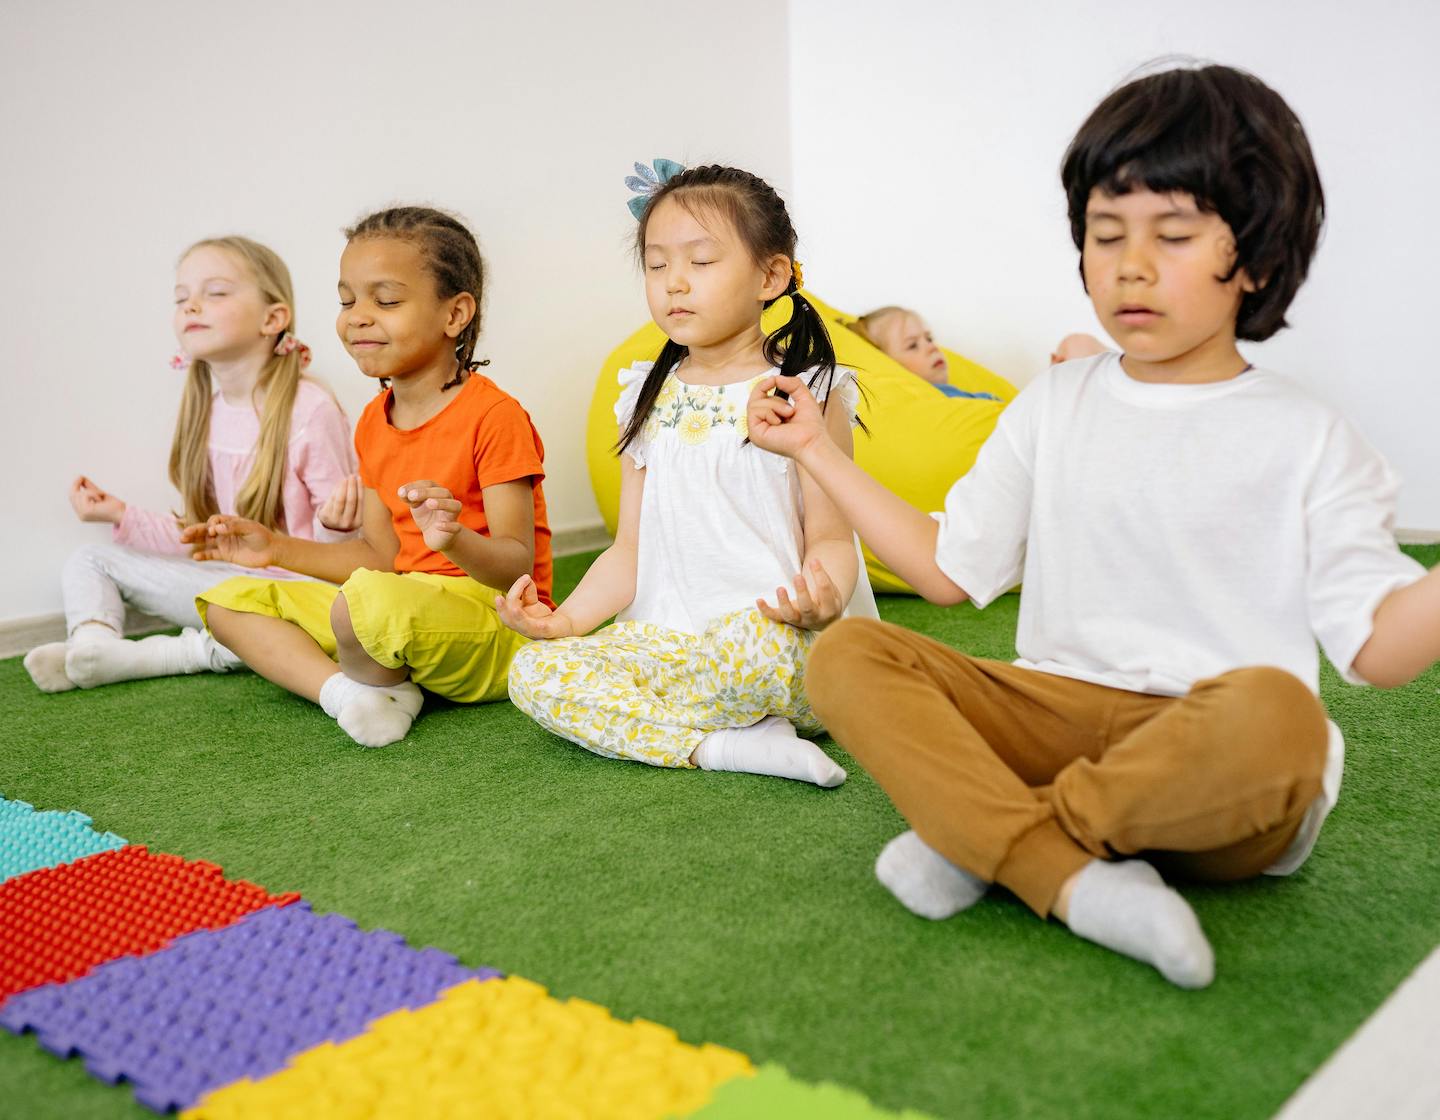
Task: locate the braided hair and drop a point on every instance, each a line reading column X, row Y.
column 452, row 255
column 762, row 223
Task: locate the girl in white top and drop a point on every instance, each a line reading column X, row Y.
column 699, row 669
column 253, row 437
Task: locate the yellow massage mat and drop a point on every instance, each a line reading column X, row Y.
column 920, row 441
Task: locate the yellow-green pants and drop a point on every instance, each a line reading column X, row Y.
column 444, row 629
column 642, row 692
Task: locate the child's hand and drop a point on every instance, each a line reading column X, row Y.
column 90, row 503
column 522, row 611
column 343, row 510
column 816, row 604
column 435, row 510
column 233, row 540
column 784, row 427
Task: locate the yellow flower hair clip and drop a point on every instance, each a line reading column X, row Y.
column 799, row 274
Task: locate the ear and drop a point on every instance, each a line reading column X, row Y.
column 777, row 273
column 277, row 319
column 462, row 310
column 1248, row 285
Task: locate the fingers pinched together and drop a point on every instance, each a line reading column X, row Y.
column 816, row 602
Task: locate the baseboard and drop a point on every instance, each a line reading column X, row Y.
column 584, row 538
column 1418, row 536
column 20, row 635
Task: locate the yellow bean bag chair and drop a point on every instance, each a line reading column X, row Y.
column 919, row 442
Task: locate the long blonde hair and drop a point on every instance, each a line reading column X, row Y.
column 261, row 496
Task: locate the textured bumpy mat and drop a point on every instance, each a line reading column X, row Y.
column 57, row 923
column 30, row 840
column 215, row 997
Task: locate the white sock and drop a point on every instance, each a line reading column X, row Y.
column 924, row 881
column 768, row 747
column 94, row 659
column 1128, row 908
column 46, row 666
column 372, row 715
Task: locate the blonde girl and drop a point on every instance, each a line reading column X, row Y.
column 254, row 437
column 700, row 670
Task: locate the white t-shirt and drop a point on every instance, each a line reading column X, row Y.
column 721, row 521
column 1170, row 533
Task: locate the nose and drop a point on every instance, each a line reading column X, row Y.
column 676, row 281
column 351, row 318
column 1135, row 261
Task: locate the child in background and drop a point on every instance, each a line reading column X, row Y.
column 907, row 338
column 452, row 509
column 254, row 437
column 698, row 669
column 1186, row 526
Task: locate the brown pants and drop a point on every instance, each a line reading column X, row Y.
column 1023, row 777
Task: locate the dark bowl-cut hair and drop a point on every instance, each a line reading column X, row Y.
column 1229, row 141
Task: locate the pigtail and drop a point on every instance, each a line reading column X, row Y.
column 803, row 344
column 190, row 448
column 262, row 495
column 671, row 355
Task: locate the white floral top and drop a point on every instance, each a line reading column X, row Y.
column 721, row 521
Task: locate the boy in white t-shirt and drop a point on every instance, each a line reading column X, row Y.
column 1186, row 528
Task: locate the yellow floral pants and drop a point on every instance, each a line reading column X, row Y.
column 640, row 691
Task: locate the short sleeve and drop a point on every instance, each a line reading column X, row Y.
column 986, row 521
column 632, row 380
column 367, row 429
column 845, row 391
column 1354, row 562
column 507, row 447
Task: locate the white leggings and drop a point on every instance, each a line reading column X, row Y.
column 100, row 580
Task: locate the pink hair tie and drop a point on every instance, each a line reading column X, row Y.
column 181, row 360
column 288, row 344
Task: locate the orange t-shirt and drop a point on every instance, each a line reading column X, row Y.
column 481, row 438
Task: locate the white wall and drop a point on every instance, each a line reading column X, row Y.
column 927, row 138
column 128, row 131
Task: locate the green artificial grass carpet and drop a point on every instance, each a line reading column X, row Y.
column 742, row 910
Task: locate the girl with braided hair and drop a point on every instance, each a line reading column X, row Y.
column 451, row 468
column 700, row 670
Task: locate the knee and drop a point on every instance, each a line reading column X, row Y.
column 524, row 676
column 838, row 662
column 340, row 621
column 524, row 662
column 220, row 621
column 1273, row 716
column 89, row 558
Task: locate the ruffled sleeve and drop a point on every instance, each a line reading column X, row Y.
column 632, row 380
column 845, row 389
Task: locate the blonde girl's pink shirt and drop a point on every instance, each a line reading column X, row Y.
column 320, row 455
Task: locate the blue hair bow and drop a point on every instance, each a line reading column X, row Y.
column 646, row 182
